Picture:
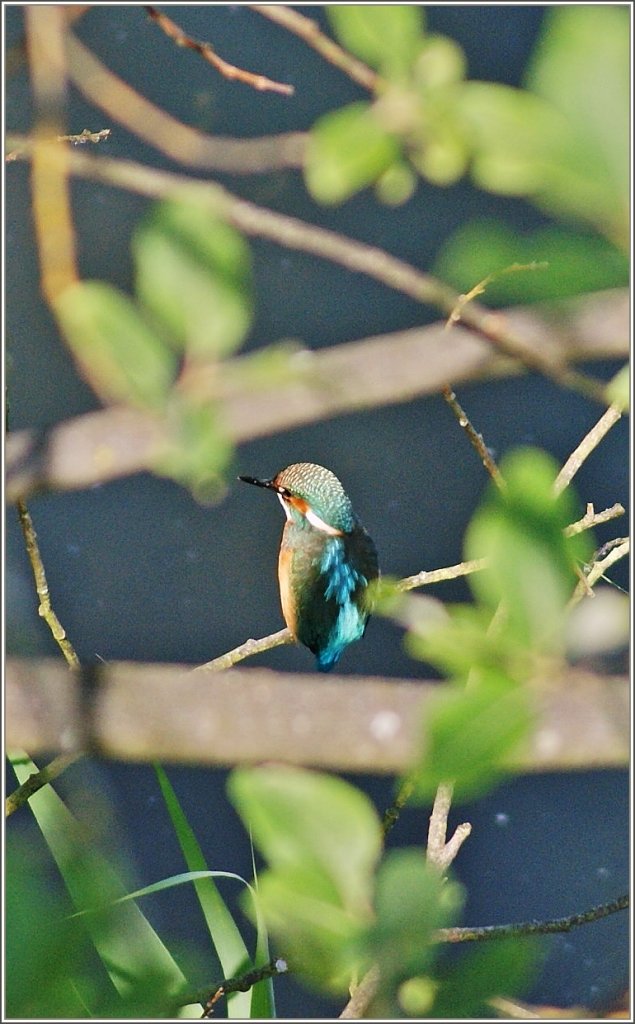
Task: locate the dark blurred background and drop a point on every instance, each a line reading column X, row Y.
column 138, row 570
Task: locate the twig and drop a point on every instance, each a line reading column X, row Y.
column 311, row 33
column 586, row 446
column 367, row 989
column 438, row 852
column 450, row 572
column 79, row 139
column 45, row 609
column 362, row 995
column 391, row 814
column 558, row 924
column 85, row 136
column 476, row 440
column 35, row 781
column 207, row 52
column 598, row 570
column 229, row 985
column 246, row 650
column 183, row 144
column 592, row 518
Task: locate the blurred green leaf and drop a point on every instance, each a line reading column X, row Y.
column 320, row 936
column 321, row 838
column 463, row 641
column 503, row 968
column 193, row 274
column 531, row 562
column 198, row 452
column 348, row 149
column 577, row 262
column 412, row 900
column 581, row 64
column 396, row 185
column 469, row 734
column 386, row 36
column 514, row 136
column 120, row 356
column 309, row 820
column 441, row 62
column 48, row 958
column 618, row 389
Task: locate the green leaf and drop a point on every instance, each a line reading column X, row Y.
column 319, row 936
column 193, row 274
column 531, row 562
column 618, row 389
column 316, row 822
column 462, row 642
column 577, row 262
column 229, row 945
column 198, row 452
column 503, row 968
column 581, row 64
column 470, row 733
column 386, row 36
column 516, row 138
column 412, row 900
column 47, row 957
column 348, row 149
column 119, row 355
column 321, row 838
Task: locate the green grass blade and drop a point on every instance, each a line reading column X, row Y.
column 226, row 938
column 127, row 941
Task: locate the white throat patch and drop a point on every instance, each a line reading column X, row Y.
column 310, row 516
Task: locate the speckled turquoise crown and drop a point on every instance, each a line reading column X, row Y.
column 321, row 490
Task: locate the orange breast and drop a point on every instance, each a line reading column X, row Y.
column 284, row 580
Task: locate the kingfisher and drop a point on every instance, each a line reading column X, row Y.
column 327, row 561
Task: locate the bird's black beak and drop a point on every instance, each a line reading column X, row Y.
column 258, row 483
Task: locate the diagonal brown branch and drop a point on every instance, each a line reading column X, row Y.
column 208, row 53
column 185, row 145
column 310, row 32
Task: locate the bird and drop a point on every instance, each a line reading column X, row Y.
column 326, row 563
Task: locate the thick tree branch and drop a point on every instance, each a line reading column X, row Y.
column 376, row 371
column 153, row 712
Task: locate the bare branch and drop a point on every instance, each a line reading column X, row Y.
column 592, row 518
column 598, row 569
column 586, row 446
column 310, row 32
column 207, row 52
column 475, row 439
column 247, row 650
column 552, row 927
column 36, row 780
column 439, row 852
column 45, row 609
